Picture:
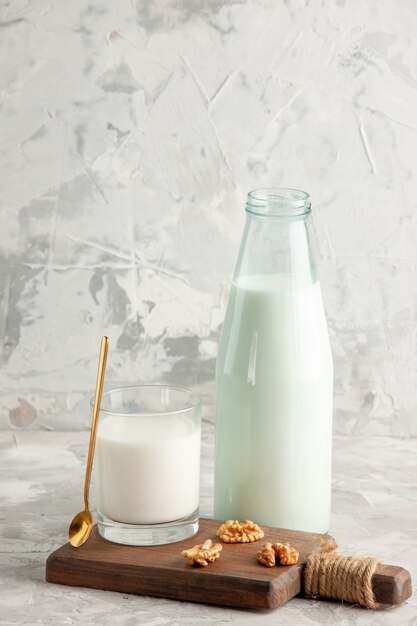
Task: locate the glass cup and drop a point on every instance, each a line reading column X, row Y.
column 147, row 465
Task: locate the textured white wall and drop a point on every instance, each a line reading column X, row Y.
column 130, row 134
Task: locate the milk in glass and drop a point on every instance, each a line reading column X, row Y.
column 147, row 468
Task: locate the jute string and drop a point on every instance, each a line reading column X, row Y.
column 330, row 575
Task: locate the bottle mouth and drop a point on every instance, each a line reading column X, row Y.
column 279, row 202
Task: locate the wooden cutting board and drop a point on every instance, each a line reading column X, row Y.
column 236, row 579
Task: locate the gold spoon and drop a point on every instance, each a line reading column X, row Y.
column 80, row 527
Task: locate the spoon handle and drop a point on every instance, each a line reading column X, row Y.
column 94, row 422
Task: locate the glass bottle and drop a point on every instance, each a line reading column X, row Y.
column 274, row 374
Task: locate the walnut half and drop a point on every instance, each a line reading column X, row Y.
column 203, row 554
column 286, row 554
column 234, row 531
column 266, row 556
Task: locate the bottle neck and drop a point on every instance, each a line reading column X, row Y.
column 278, row 203
column 277, row 236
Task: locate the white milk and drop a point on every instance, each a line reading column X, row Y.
column 274, row 405
column 147, row 468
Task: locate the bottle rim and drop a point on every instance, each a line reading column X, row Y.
column 278, row 202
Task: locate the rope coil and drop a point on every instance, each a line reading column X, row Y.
column 331, row 575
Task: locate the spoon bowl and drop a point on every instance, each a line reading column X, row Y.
column 80, row 528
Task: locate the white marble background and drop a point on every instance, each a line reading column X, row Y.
column 130, row 134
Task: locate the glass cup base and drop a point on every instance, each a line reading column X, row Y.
column 147, row 534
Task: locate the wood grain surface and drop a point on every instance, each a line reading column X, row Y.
column 236, row 579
